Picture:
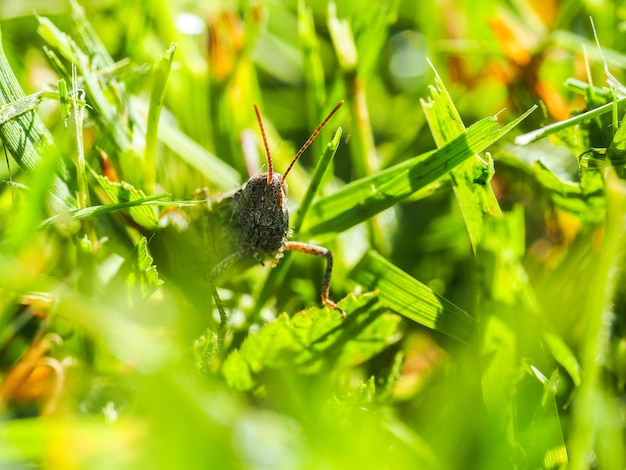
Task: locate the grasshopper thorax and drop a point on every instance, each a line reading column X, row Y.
column 263, row 216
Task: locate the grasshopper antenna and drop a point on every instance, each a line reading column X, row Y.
column 268, row 156
column 310, row 140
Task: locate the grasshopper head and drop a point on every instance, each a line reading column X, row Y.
column 263, row 215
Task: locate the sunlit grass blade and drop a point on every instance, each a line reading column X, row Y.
column 24, row 133
column 550, row 129
column 209, row 165
column 470, row 179
column 412, row 299
column 157, row 95
column 360, row 200
column 124, row 192
column 100, row 91
column 313, row 72
column 94, row 211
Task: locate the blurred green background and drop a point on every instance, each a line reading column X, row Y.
column 108, row 363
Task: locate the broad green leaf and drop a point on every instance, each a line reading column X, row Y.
column 314, row 339
column 412, row 299
column 361, row 199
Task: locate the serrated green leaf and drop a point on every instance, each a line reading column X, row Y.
column 137, row 278
column 314, row 339
column 122, row 193
column 412, row 299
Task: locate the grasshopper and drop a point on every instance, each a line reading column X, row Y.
column 244, row 227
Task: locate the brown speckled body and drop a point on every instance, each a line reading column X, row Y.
column 261, row 216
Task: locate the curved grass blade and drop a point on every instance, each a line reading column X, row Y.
column 157, row 96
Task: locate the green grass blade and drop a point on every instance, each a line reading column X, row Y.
column 510, row 336
column 209, row 165
column 316, row 179
column 474, row 195
column 412, row 299
column 360, row 200
column 313, row 72
column 157, row 95
column 81, row 163
column 101, row 93
column 24, row 134
column 550, row 129
column 594, row 418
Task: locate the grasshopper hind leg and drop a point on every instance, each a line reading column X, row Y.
column 215, row 273
column 221, row 329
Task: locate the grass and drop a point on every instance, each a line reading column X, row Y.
column 470, row 189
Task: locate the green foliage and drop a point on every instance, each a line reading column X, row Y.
column 483, row 291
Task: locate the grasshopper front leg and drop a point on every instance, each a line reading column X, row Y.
column 324, row 253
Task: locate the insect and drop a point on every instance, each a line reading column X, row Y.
column 244, row 227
